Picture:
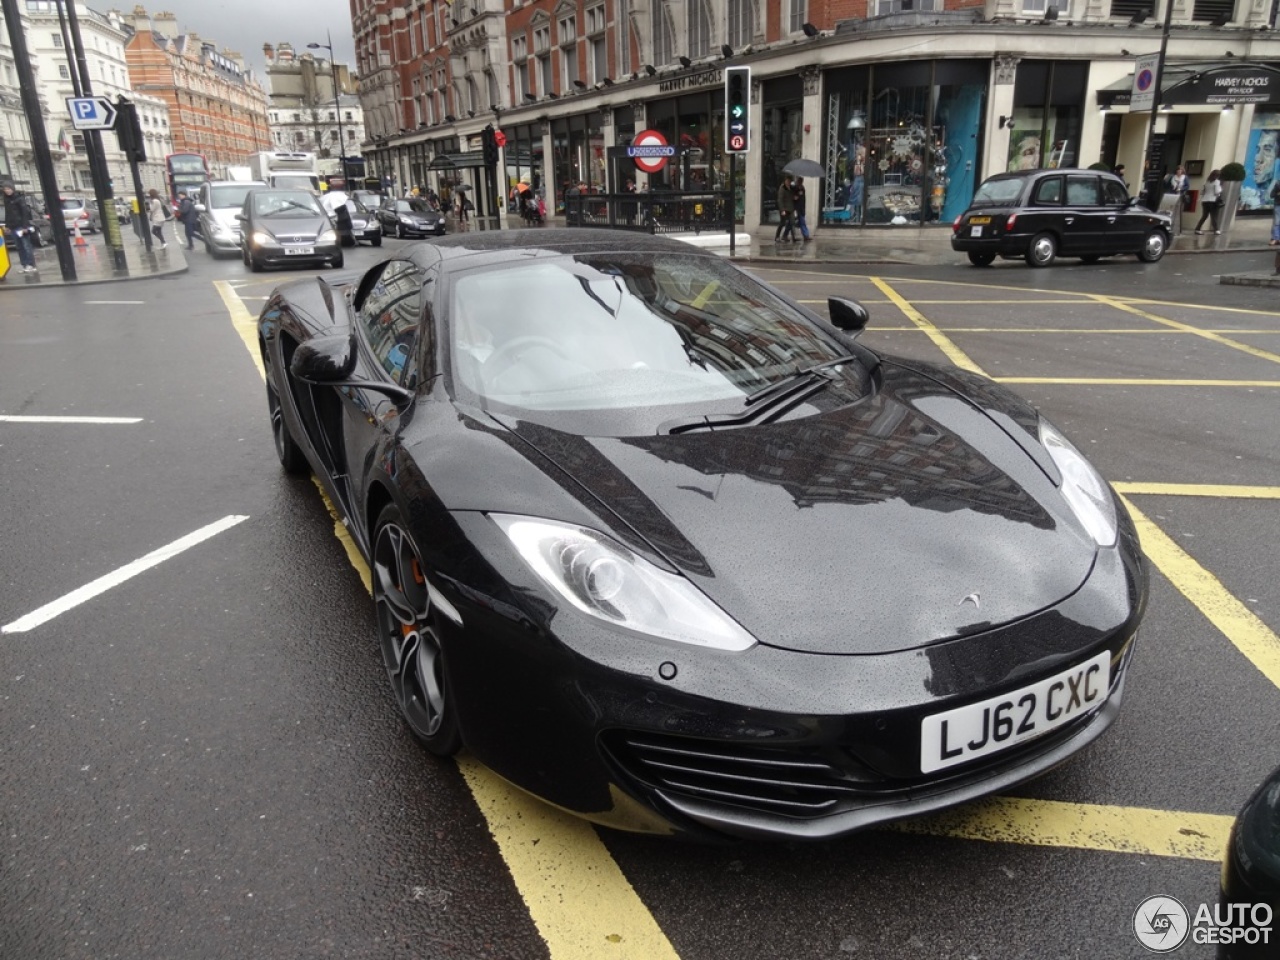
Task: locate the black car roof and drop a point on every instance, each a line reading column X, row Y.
column 502, row 244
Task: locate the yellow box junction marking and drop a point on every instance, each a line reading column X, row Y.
column 940, row 339
column 1188, row 328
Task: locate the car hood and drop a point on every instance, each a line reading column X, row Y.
column 900, row 521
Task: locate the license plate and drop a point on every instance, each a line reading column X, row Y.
column 979, row 219
column 295, row 251
column 978, row 729
column 975, row 231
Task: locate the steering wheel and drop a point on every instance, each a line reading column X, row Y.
column 510, row 353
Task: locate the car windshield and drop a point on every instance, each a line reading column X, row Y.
column 627, row 331
column 291, row 203
column 414, row 205
column 999, row 193
column 72, row 204
column 223, row 198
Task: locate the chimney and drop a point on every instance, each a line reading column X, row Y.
column 141, row 22
column 165, row 24
column 269, row 52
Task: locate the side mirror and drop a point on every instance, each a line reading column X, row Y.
column 324, row 359
column 201, row 208
column 848, row 315
column 241, row 217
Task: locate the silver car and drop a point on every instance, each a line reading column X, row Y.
column 217, row 203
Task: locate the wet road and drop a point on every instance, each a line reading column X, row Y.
column 203, row 760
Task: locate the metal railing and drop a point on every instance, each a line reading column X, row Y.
column 668, row 211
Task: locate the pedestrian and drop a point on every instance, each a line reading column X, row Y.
column 1275, row 218
column 1211, row 201
column 19, row 221
column 155, row 215
column 797, row 194
column 188, row 217
column 629, row 206
column 786, row 232
column 1177, row 184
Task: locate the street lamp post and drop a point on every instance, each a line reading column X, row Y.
column 337, row 105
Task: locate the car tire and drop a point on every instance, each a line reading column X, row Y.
column 254, row 265
column 981, row 259
column 376, row 241
column 1090, row 258
column 291, row 456
column 1154, row 246
column 1043, row 250
column 409, row 636
column 399, row 231
column 337, row 262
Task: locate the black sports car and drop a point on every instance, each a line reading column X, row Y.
column 663, row 547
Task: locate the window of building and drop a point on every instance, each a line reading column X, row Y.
column 522, row 79
column 542, row 39
column 624, row 37
column 1039, row 7
column 545, row 77
column 569, row 59
column 63, row 72
column 699, row 28
column 1128, row 9
column 885, row 7
column 599, row 58
column 57, row 40
column 519, row 48
column 741, row 23
column 664, row 33
column 796, row 16
column 568, row 30
column 1219, row 11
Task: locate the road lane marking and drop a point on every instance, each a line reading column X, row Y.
column 243, row 321
column 1238, row 623
column 116, row 301
column 1188, row 328
column 940, row 339
column 119, row 576
column 18, row 419
column 1217, row 491
column 1082, row 826
column 1135, row 382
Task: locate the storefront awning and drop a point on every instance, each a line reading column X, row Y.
column 456, row 161
column 1204, row 84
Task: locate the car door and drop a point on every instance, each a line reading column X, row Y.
column 390, row 334
column 387, row 215
column 1085, row 227
column 1126, row 228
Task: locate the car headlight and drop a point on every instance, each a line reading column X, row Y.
column 262, row 239
column 408, row 221
column 606, row 580
column 327, row 236
column 1083, row 486
column 219, row 230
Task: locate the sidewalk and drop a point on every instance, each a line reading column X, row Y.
column 96, row 264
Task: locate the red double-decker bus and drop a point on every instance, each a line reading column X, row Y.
column 185, row 171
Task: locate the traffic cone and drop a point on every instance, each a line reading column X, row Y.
column 80, row 240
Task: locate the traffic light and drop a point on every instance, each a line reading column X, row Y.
column 129, row 132
column 737, row 108
column 490, row 146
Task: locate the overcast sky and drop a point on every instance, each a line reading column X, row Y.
column 245, row 25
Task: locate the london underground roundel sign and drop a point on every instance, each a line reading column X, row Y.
column 650, row 151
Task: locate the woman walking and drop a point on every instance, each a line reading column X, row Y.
column 1211, row 201
column 155, row 215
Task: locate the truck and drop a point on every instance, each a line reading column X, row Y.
column 280, row 168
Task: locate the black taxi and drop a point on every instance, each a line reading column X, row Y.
column 1039, row 215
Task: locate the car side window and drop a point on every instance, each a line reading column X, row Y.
column 1114, row 194
column 1048, row 192
column 1082, row 191
column 391, row 319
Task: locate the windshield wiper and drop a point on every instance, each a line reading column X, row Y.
column 819, row 372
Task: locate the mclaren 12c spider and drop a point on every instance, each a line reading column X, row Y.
column 665, row 548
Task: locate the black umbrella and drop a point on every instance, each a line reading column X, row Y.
column 801, row 167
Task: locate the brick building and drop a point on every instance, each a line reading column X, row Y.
column 907, row 104
column 217, row 108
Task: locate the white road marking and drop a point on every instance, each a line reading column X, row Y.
column 117, row 577
column 115, row 301
column 15, row 419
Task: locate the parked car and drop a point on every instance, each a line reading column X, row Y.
column 1251, row 878
column 410, row 217
column 217, row 203
column 40, row 217
column 354, row 221
column 1039, row 215
column 81, row 212
column 661, row 545
column 280, row 226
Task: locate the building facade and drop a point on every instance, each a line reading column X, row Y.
column 305, row 109
column 217, row 108
column 906, row 104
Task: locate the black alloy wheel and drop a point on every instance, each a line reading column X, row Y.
column 981, row 259
column 291, row 456
column 408, row 632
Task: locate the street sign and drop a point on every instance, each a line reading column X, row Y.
column 91, row 113
column 650, row 151
column 1143, row 96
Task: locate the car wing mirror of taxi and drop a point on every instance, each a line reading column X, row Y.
column 847, row 315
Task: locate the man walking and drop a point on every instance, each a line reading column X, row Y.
column 188, row 217
column 19, row 222
column 797, row 193
column 786, row 232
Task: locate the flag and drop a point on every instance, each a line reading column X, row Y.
column 64, row 141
